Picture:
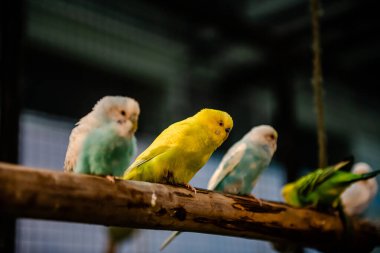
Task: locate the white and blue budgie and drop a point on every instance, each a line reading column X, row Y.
column 242, row 165
column 358, row 196
column 103, row 142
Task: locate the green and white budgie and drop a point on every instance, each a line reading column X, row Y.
column 323, row 187
column 103, row 142
column 242, row 165
column 358, row 196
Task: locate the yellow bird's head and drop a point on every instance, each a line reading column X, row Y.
column 289, row 194
column 219, row 124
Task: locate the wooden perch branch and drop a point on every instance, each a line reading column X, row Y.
column 44, row 194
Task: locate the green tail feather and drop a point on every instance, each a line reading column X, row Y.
column 347, row 225
column 367, row 176
column 350, row 162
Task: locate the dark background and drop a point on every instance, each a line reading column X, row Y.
column 250, row 58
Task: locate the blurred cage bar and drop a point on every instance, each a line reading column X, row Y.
column 250, row 58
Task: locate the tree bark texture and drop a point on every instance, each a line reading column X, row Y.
column 45, row 194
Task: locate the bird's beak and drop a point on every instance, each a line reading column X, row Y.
column 134, row 127
column 129, row 124
column 121, row 121
column 228, row 130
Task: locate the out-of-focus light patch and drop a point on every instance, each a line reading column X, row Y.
column 43, row 140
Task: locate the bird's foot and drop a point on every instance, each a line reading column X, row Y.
column 257, row 199
column 191, row 188
column 187, row 186
column 110, row 178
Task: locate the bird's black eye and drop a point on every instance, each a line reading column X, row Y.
column 122, row 112
column 272, row 137
column 221, row 123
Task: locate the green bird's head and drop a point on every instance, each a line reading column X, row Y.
column 289, row 193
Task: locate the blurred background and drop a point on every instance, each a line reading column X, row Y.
column 251, row 58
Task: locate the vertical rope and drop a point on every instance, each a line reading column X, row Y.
column 317, row 82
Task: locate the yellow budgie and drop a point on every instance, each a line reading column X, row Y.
column 177, row 154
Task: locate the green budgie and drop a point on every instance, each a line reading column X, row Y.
column 242, row 165
column 103, row 141
column 322, row 188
